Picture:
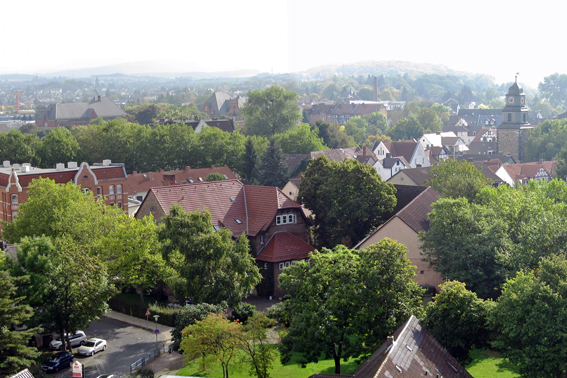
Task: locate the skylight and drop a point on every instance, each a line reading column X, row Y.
column 191, row 180
column 233, row 199
column 200, row 179
column 238, row 221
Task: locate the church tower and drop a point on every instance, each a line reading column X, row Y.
column 513, row 132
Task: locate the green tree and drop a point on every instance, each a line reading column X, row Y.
column 213, row 339
column 356, row 128
column 301, row 139
column 248, row 169
column 457, row 319
column 61, row 210
column 133, row 256
column 496, row 103
column 15, row 355
column 554, row 89
column 213, row 267
column 547, row 140
column 369, row 142
column 188, row 315
column 68, row 288
column 19, row 148
column 59, row 146
column 377, row 123
column 463, row 243
column 343, row 300
column 429, row 120
column 348, row 199
column 259, row 351
column 455, row 179
column 272, row 170
column 406, row 128
column 530, row 318
column 270, row 111
column 215, row 176
column 333, row 136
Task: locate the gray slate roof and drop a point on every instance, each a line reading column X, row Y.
column 102, row 106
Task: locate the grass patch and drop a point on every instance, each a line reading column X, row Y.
column 487, row 364
column 291, row 369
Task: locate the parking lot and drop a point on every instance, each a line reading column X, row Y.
column 125, row 345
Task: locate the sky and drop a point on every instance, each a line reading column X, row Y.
column 497, row 38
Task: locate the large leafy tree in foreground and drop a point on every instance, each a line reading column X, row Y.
column 15, row 355
column 270, row 111
column 68, row 288
column 531, row 319
column 348, row 199
column 342, row 300
column 457, row 318
column 212, row 267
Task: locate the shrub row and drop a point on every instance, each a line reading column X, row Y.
column 131, row 305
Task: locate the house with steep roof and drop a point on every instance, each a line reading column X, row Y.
column 105, row 180
column 221, row 103
column 411, row 352
column 405, row 227
column 481, row 117
column 418, row 176
column 281, row 251
column 522, row 173
column 80, row 113
column 389, row 166
column 413, row 152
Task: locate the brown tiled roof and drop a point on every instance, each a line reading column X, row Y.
column 415, row 213
column 262, row 203
column 59, row 177
column 284, row 246
column 529, row 170
column 418, row 175
column 142, row 182
column 402, row 148
column 108, row 172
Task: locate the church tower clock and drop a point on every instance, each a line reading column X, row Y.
column 513, row 132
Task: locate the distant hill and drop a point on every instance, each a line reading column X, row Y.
column 386, row 68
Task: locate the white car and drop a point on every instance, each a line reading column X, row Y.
column 91, row 347
column 77, row 339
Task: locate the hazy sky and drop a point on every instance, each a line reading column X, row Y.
column 494, row 37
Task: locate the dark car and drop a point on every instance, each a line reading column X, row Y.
column 58, row 361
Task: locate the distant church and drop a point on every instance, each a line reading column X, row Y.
column 514, row 129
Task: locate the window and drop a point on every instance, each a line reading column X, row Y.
column 286, row 219
column 112, row 204
column 233, row 199
column 85, row 189
column 14, row 198
column 119, row 189
column 287, row 264
column 200, row 179
column 524, row 117
column 216, row 228
column 509, row 117
column 140, row 198
column 421, row 272
column 99, row 191
column 120, row 205
column 111, row 190
column 238, row 221
column 191, row 180
column 265, row 265
column 281, row 266
column 85, row 177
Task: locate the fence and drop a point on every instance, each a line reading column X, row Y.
column 155, row 353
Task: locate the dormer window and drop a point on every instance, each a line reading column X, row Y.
column 286, row 219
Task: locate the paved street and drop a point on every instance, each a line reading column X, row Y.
column 125, row 344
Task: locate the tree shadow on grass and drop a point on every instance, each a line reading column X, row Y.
column 482, row 359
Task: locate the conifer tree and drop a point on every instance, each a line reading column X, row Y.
column 272, row 170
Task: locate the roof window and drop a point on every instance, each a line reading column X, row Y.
column 233, row 199
column 200, row 179
column 191, row 180
column 238, row 220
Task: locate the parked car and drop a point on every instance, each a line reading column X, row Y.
column 58, row 361
column 79, row 338
column 92, row 346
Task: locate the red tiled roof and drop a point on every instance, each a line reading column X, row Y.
column 142, row 182
column 59, row 177
column 108, row 172
column 262, row 203
column 284, row 246
column 529, row 170
column 402, row 148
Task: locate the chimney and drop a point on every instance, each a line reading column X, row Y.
column 135, row 172
column 375, row 88
column 106, row 162
column 16, row 166
column 26, row 167
column 6, row 163
column 99, row 97
column 364, row 149
column 187, row 168
column 59, row 166
column 168, row 179
column 213, row 166
column 72, row 165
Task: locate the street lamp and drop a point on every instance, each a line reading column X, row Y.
column 156, row 332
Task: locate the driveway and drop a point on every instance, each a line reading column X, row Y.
column 125, row 345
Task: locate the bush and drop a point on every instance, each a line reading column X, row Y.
column 145, row 372
column 189, row 315
column 280, row 313
column 167, row 315
column 130, row 304
column 242, row 312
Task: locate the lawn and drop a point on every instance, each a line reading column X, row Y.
column 290, row 370
column 489, row 364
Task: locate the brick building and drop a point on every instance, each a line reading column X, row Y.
column 103, row 179
column 259, row 212
column 79, row 113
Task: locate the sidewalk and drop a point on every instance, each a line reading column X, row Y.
column 140, row 323
column 166, row 363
